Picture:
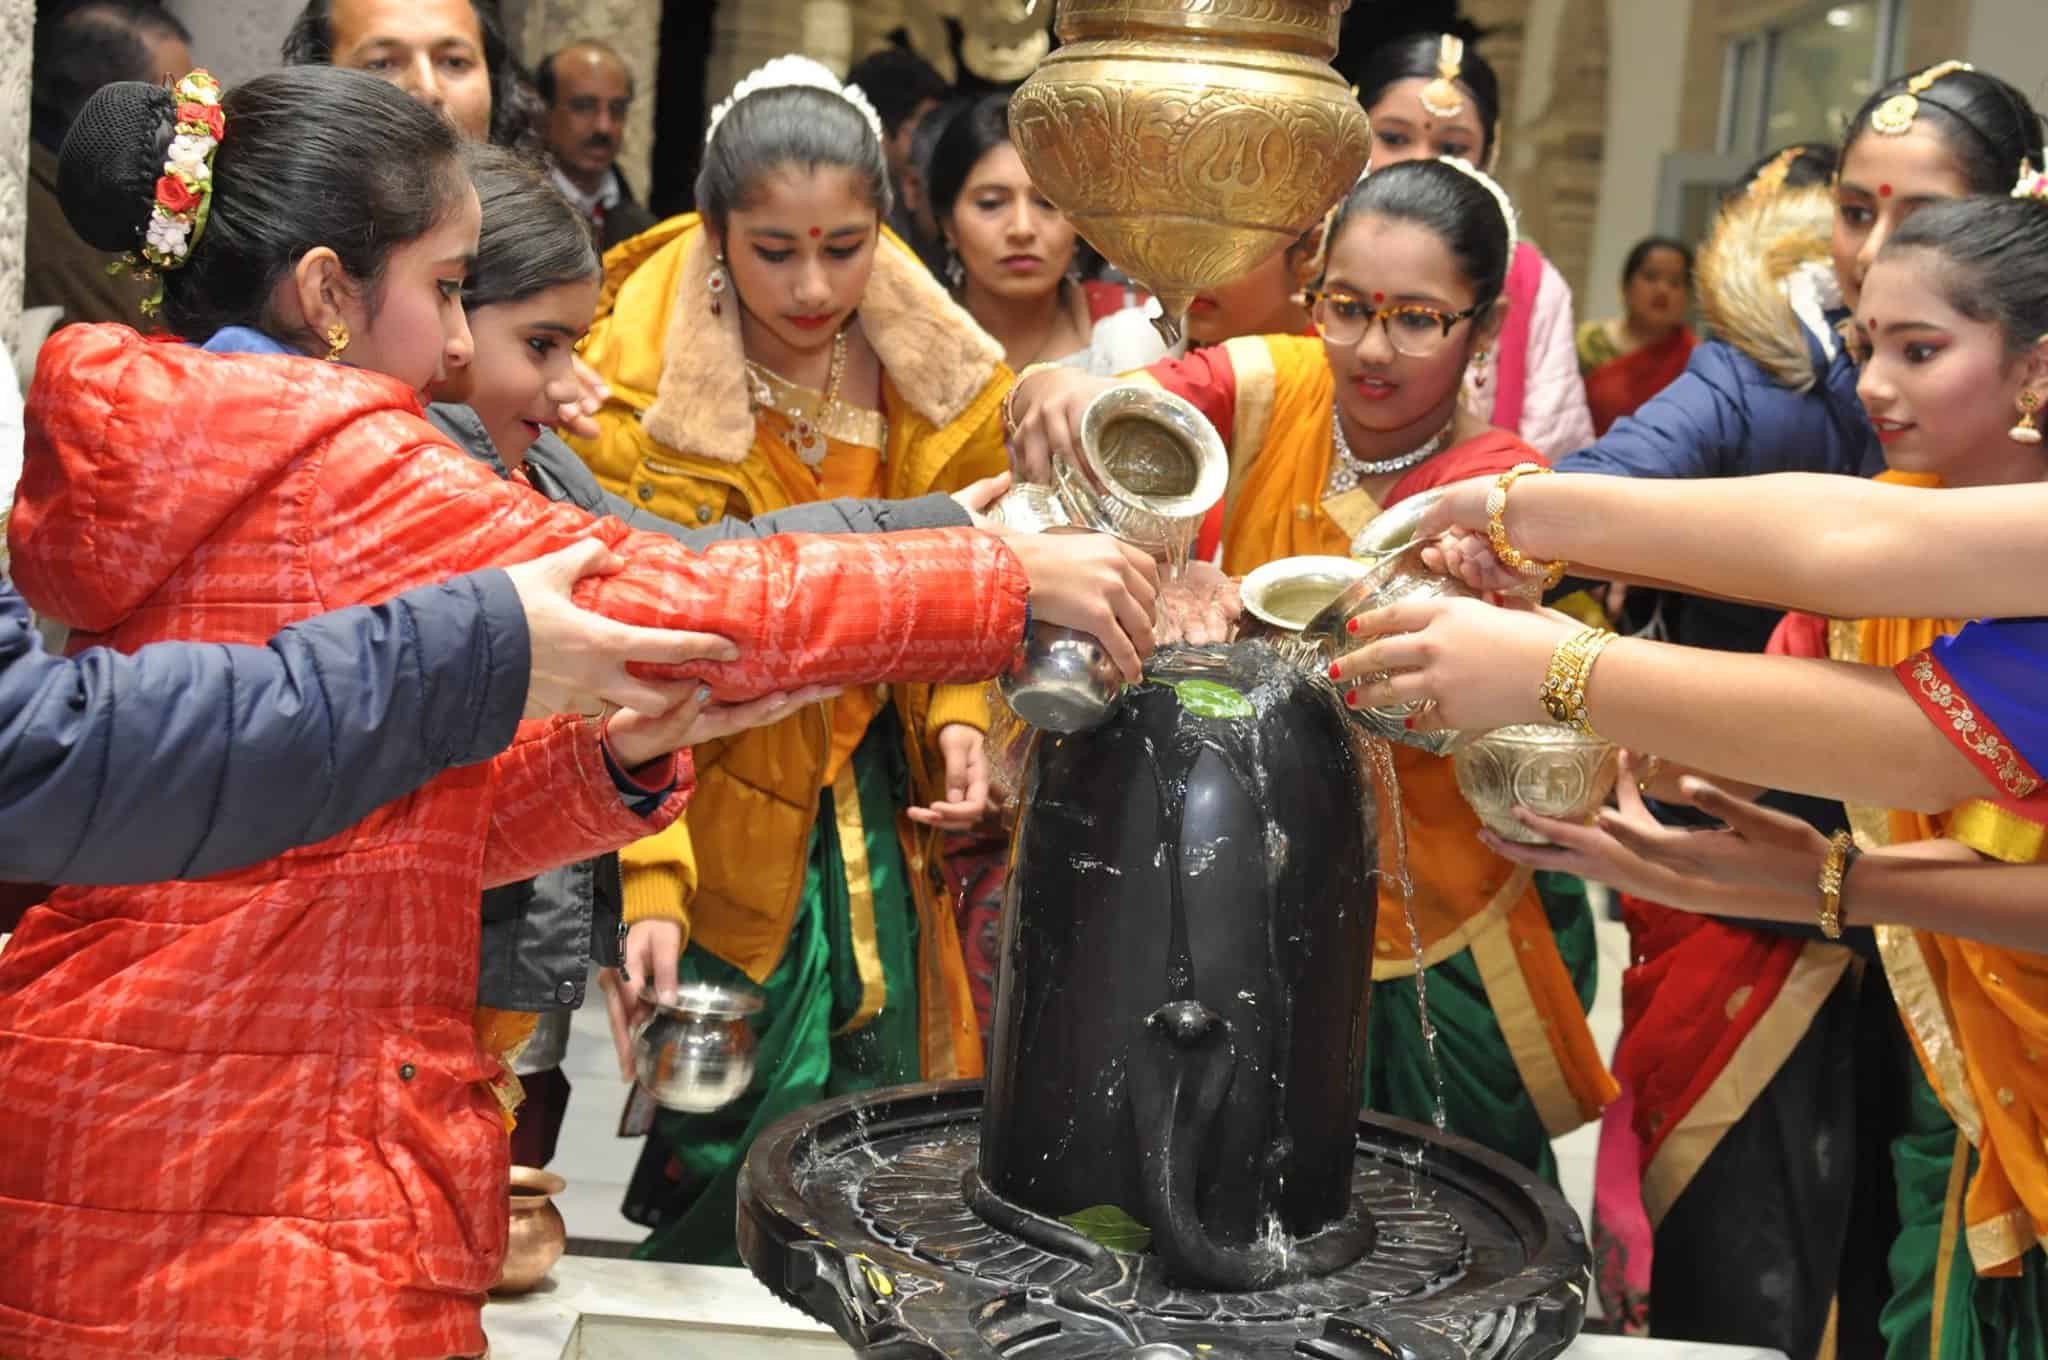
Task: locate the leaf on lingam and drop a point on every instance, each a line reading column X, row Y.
column 1208, row 699
column 1108, row 1226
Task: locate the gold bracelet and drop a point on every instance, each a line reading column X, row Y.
column 1510, row 556
column 1831, row 871
column 1010, row 399
column 1563, row 692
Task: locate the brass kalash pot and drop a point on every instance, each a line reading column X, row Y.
column 1189, row 141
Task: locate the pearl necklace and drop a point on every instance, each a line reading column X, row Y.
column 805, row 439
column 1347, row 470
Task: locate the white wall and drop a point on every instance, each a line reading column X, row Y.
column 2010, row 37
column 236, row 39
column 1646, row 47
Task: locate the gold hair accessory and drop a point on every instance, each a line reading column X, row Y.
column 1771, row 178
column 1831, row 871
column 1894, row 117
column 1442, row 96
column 2025, row 432
column 1563, row 691
column 337, row 340
column 1497, row 532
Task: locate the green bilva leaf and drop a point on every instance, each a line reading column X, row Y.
column 1208, row 699
column 1110, row 1226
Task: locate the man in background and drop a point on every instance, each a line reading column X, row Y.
column 588, row 91
column 78, row 48
column 450, row 55
column 905, row 89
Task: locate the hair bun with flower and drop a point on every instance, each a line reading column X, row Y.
column 135, row 177
column 794, row 71
column 1500, row 196
column 2032, row 183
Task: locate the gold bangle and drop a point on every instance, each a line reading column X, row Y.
column 1010, row 398
column 1831, row 870
column 1563, row 692
column 1510, row 556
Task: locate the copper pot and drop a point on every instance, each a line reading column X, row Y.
column 1188, row 140
column 537, row 1237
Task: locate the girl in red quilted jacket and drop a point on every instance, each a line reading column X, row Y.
column 248, row 1116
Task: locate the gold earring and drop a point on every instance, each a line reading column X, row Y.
column 337, row 340
column 2025, row 432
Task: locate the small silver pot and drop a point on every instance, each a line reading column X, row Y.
column 1150, row 467
column 698, row 1054
column 1552, row 771
column 547, row 1047
column 1396, row 574
column 1063, row 680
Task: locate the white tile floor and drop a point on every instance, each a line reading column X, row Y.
column 596, row 1162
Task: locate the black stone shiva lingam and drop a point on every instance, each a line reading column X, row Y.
column 1170, row 1161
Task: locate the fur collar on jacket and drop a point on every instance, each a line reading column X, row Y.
column 936, row 356
column 1766, row 281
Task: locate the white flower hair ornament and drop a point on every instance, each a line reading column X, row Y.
column 1500, row 196
column 789, row 71
column 2032, row 183
column 184, row 192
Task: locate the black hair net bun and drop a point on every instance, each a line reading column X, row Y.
column 112, row 158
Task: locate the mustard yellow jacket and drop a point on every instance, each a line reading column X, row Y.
column 678, row 437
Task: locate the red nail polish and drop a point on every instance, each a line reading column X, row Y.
column 1408, row 723
column 1336, row 674
column 1351, row 625
column 1351, row 698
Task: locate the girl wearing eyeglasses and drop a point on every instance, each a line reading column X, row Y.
column 1325, row 432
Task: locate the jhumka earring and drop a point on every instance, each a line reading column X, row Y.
column 956, row 271
column 1441, row 96
column 716, row 283
column 1894, row 117
column 2025, row 432
column 337, row 340
column 1481, row 367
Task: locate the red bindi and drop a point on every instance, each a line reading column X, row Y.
column 816, row 232
column 1379, row 297
column 1884, row 191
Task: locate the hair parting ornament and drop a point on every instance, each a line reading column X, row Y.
column 1500, row 196
column 1442, row 96
column 792, row 70
column 184, row 192
column 1894, row 117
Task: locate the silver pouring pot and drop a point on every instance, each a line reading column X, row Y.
column 1395, row 573
column 1150, row 467
column 698, row 1054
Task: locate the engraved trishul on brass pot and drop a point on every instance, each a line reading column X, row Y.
column 1188, row 140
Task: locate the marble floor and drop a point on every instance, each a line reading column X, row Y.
column 596, row 1162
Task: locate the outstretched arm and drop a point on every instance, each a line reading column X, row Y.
column 1833, row 545
column 931, row 606
column 1766, row 866
column 188, row 759
column 1830, row 729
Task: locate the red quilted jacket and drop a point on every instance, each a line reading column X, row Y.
column 244, row 1116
